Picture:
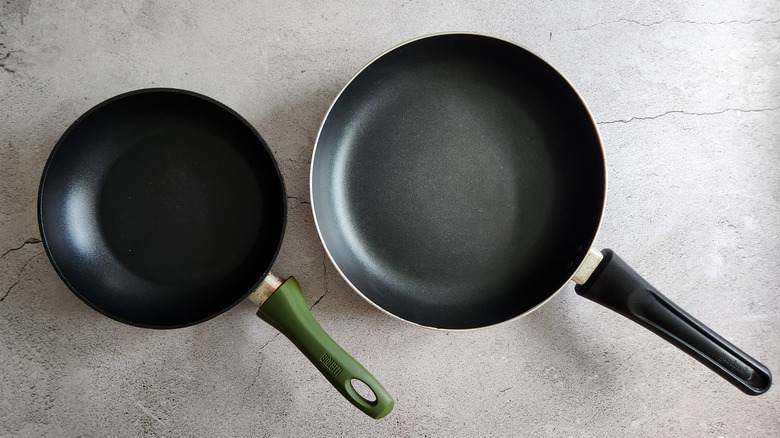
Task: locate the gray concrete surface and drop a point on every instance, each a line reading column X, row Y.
column 687, row 96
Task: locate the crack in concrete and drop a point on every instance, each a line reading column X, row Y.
column 324, row 279
column 150, row 413
column 19, row 276
column 124, row 11
column 657, row 23
column 298, row 200
column 318, row 301
column 260, row 367
column 31, row 240
column 6, row 55
column 688, row 113
column 21, row 7
column 270, row 340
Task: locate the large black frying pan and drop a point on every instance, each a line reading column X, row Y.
column 163, row 208
column 458, row 181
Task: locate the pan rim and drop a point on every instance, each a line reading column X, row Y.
column 347, row 85
column 98, row 106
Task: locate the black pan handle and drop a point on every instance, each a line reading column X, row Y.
column 618, row 287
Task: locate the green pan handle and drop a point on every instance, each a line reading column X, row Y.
column 286, row 311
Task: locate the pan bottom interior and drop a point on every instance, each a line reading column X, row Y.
column 180, row 208
column 453, row 194
column 451, row 225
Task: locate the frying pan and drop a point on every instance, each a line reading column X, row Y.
column 458, row 181
column 163, row 208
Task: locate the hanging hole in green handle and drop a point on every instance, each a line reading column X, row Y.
column 363, row 390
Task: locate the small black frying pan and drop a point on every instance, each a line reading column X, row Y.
column 163, row 208
column 458, row 181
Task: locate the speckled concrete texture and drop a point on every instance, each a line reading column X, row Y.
column 687, row 97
